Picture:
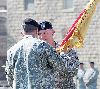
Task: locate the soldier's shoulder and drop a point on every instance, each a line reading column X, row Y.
column 14, row 47
column 44, row 44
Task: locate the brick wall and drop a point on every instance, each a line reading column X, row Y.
column 61, row 19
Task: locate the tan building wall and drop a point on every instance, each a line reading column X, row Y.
column 62, row 19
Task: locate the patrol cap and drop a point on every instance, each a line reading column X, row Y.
column 45, row 25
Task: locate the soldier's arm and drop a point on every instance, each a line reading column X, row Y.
column 71, row 61
column 90, row 78
column 10, row 63
column 54, row 59
column 93, row 76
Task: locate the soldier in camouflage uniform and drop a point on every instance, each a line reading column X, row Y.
column 91, row 76
column 32, row 63
column 70, row 58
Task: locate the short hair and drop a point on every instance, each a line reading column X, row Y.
column 81, row 63
column 29, row 25
column 91, row 62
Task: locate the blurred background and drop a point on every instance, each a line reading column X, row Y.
column 61, row 13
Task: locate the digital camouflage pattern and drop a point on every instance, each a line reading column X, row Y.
column 90, row 78
column 33, row 64
column 72, row 63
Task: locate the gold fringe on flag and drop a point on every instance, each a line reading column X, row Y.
column 76, row 34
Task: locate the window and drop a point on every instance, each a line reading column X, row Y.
column 3, row 30
column 28, row 5
column 3, row 47
column 3, row 8
column 68, row 4
column 3, row 5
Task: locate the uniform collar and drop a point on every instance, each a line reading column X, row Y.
column 28, row 36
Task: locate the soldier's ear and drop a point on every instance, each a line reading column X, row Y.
column 44, row 33
column 22, row 33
